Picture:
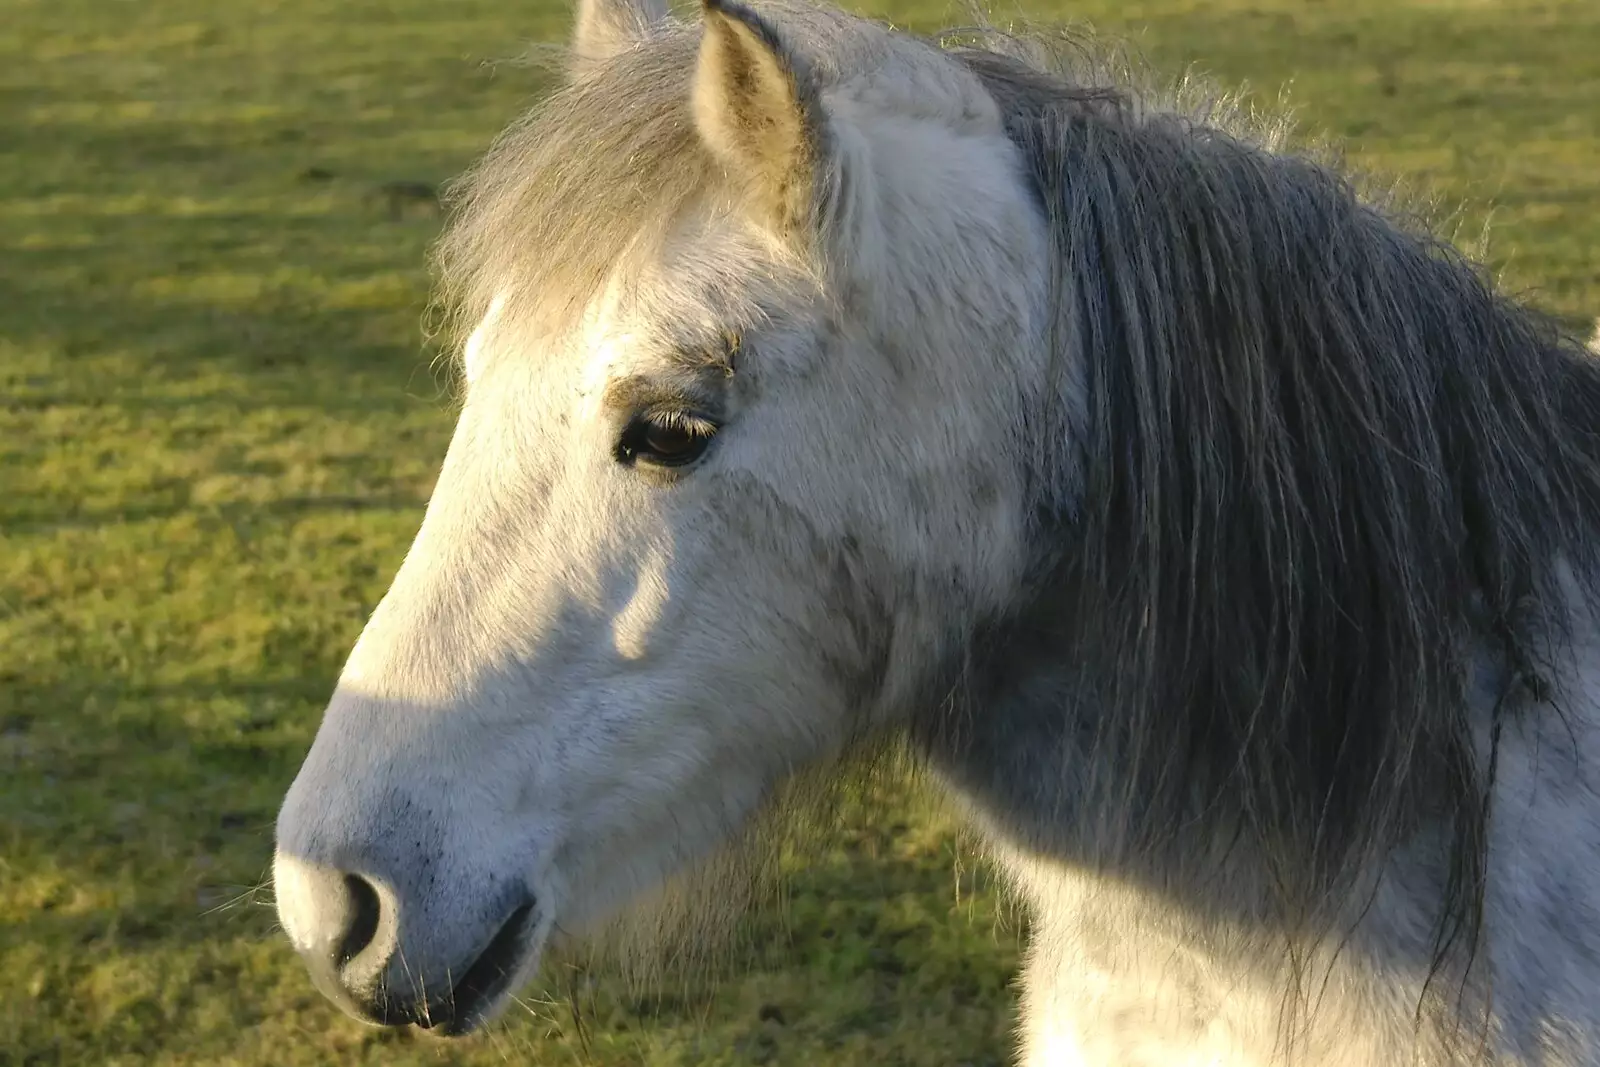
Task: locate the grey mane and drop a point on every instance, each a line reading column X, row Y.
column 1324, row 472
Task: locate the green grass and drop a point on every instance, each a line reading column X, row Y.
column 218, row 427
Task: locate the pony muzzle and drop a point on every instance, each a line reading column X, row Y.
column 347, row 929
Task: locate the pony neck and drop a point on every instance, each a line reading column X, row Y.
column 1173, row 945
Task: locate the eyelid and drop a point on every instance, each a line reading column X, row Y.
column 634, row 397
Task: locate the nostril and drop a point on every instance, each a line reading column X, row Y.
column 361, row 924
column 344, row 925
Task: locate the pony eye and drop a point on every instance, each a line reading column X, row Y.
column 665, row 440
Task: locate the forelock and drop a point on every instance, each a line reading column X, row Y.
column 592, row 180
column 599, row 176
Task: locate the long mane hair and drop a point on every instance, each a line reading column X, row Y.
column 1324, row 472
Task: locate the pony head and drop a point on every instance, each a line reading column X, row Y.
column 696, row 530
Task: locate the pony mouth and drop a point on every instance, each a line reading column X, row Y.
column 487, row 983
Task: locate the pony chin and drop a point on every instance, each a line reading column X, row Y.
column 688, row 931
column 676, row 933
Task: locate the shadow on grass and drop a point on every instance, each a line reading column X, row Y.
column 237, row 513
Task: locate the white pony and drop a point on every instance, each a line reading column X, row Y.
column 1226, row 547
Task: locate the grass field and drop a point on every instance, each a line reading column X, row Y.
column 218, row 427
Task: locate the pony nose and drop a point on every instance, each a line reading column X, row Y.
column 345, row 927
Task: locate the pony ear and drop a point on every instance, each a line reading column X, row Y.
column 756, row 109
column 606, row 27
